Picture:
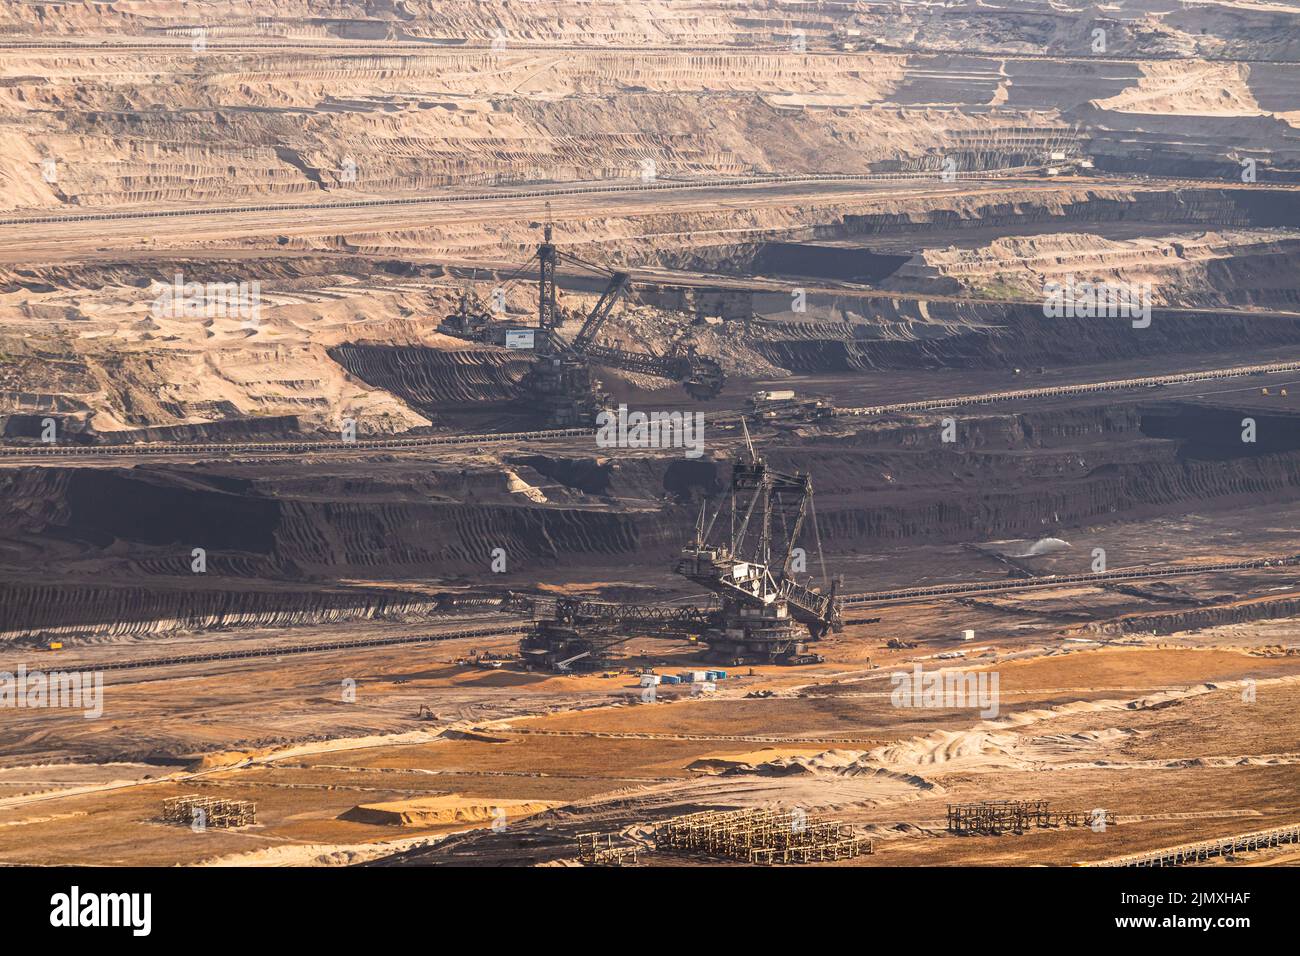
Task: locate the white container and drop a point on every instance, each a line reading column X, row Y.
column 649, row 680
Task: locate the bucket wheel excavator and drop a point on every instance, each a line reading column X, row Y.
column 760, row 611
column 753, row 566
column 576, row 635
column 700, row 376
column 562, row 380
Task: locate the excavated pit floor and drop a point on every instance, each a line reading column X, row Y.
column 1170, row 703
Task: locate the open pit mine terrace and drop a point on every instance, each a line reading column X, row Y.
column 350, row 706
column 470, row 634
column 342, row 682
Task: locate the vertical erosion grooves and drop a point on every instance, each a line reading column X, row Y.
column 70, row 521
column 93, row 507
column 1017, row 506
column 267, row 427
column 426, row 377
column 1021, row 474
column 459, row 538
column 1193, row 619
column 599, row 519
column 28, row 609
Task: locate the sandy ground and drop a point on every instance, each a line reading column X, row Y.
column 1083, row 728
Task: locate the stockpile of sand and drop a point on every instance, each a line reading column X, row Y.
column 446, row 809
column 749, row 761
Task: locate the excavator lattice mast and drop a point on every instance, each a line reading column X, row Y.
column 547, row 257
column 765, row 609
